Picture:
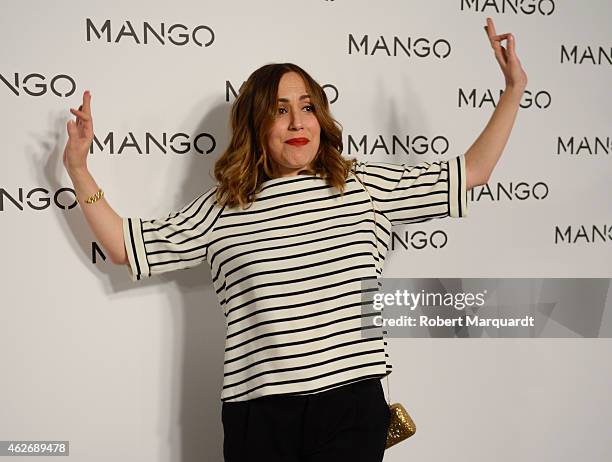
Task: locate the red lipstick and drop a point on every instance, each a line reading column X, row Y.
column 297, row 141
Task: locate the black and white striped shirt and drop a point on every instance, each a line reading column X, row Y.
column 288, row 271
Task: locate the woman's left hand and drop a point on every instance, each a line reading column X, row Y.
column 515, row 76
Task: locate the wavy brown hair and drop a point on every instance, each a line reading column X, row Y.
column 246, row 164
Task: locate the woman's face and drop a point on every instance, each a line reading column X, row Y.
column 293, row 139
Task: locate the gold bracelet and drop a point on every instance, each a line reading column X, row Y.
column 95, row 197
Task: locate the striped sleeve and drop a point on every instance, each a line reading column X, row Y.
column 412, row 194
column 172, row 243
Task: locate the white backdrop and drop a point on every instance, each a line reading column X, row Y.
column 133, row 371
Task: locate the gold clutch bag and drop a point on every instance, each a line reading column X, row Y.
column 401, row 425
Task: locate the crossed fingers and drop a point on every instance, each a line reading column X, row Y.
column 493, row 37
column 83, row 114
column 500, row 52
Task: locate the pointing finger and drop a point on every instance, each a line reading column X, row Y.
column 87, row 102
column 491, row 26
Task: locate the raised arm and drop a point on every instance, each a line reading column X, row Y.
column 482, row 156
column 103, row 220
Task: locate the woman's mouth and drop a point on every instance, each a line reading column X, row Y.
column 297, row 141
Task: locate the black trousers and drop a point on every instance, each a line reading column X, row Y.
column 348, row 423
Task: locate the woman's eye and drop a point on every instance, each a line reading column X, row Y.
column 309, row 108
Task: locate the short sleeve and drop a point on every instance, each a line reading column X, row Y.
column 412, row 194
column 178, row 241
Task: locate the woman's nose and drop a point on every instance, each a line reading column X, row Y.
column 296, row 121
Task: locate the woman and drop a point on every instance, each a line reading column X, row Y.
column 290, row 231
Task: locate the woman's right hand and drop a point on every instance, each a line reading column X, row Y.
column 80, row 136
